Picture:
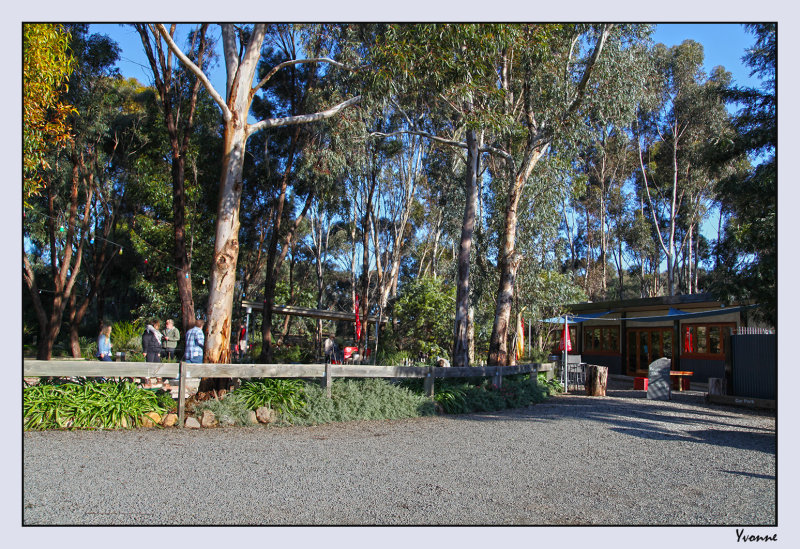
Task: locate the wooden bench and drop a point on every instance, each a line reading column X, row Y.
column 680, row 380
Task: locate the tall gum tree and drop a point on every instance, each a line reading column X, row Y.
column 242, row 51
column 178, row 109
column 540, row 118
column 438, row 76
column 685, row 109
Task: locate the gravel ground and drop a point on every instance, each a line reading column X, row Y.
column 573, row 460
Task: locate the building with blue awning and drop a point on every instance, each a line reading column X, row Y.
column 627, row 335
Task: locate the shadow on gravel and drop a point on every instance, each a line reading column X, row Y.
column 741, row 440
column 753, row 475
column 638, row 417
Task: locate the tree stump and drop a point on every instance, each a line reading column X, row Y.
column 717, row 386
column 596, row 380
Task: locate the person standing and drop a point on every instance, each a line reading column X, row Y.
column 242, row 341
column 151, row 342
column 104, row 344
column 195, row 340
column 171, row 337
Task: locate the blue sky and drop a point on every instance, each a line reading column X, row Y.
column 723, row 44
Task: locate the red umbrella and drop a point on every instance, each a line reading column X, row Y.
column 566, row 342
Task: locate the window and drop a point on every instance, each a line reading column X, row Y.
column 555, row 336
column 705, row 340
column 601, row 339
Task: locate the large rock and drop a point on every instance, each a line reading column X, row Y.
column 192, row 423
column 151, row 419
column 170, row 420
column 659, row 386
column 208, row 419
column 266, row 415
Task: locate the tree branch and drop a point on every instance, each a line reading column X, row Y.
column 298, row 62
column 197, row 71
column 598, row 48
column 461, row 144
column 303, row 118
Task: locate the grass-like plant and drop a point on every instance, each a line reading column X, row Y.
column 282, row 395
column 88, row 405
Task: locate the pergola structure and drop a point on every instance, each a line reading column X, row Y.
column 307, row 312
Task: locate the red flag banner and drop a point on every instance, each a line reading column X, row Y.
column 688, row 347
column 358, row 321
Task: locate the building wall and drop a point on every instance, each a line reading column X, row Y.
column 703, row 369
column 612, row 362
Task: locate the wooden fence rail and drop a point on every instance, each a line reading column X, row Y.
column 326, row 372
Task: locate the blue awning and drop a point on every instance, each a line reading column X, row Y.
column 677, row 314
column 672, row 314
column 575, row 319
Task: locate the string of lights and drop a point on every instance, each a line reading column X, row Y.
column 92, row 238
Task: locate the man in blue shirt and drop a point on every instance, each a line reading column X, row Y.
column 195, row 340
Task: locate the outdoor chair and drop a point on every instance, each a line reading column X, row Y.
column 576, row 371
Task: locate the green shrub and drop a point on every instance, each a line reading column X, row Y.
column 127, row 336
column 229, row 410
column 392, row 358
column 552, row 386
column 361, row 399
column 282, row 395
column 294, row 355
column 468, row 395
column 87, row 405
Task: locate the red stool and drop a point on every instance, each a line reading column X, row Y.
column 640, row 383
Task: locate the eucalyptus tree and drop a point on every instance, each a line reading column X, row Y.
column 747, row 249
column 241, row 50
column 309, row 161
column 438, row 76
column 607, row 164
column 685, row 111
column 553, row 77
column 77, row 196
column 177, row 93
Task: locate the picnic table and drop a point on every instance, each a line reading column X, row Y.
column 680, row 380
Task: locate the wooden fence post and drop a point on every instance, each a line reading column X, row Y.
column 181, row 392
column 498, row 377
column 327, row 379
column 429, row 383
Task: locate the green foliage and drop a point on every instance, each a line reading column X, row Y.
column 392, row 358
column 88, row 348
column 294, row 354
column 747, row 252
column 361, row 399
column 283, row 395
column 464, row 396
column 127, row 336
column 425, row 309
column 230, row 410
column 88, row 405
column 47, row 64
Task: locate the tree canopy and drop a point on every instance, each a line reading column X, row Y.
column 445, row 177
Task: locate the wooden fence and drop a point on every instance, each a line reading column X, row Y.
column 326, row 372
